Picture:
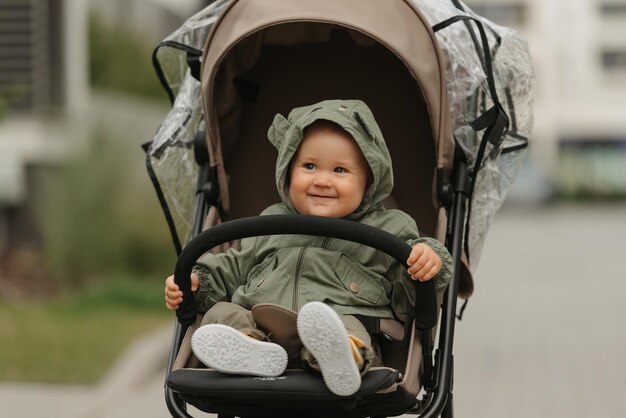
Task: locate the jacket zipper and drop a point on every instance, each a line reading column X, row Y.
column 299, row 263
column 296, row 283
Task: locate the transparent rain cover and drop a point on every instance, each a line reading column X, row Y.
column 468, row 98
column 171, row 152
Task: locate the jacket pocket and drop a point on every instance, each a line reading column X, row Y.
column 362, row 282
column 257, row 275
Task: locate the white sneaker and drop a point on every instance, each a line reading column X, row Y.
column 322, row 332
column 226, row 350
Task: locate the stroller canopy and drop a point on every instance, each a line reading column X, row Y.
column 252, row 24
column 431, row 86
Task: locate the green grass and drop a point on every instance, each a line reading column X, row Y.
column 76, row 339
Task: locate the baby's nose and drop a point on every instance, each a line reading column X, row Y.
column 322, row 180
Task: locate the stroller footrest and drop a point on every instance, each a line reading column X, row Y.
column 295, row 393
column 292, row 385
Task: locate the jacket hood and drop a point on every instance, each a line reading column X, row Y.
column 355, row 118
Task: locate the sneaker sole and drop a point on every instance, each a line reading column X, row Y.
column 226, row 350
column 322, row 332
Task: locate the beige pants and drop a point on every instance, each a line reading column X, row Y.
column 241, row 319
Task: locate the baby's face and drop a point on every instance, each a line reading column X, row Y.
column 328, row 175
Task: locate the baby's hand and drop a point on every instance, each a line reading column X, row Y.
column 424, row 263
column 173, row 295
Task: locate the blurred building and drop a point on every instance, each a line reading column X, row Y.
column 579, row 52
column 45, row 92
column 43, row 84
column 154, row 19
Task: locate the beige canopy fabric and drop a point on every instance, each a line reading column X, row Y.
column 249, row 30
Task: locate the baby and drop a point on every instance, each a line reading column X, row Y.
column 332, row 162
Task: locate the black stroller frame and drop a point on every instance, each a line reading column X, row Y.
column 303, row 394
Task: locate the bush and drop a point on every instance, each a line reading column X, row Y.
column 102, row 218
column 120, row 61
column 4, row 106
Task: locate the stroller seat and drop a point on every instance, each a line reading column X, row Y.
column 383, row 388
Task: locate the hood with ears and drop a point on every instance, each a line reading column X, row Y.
column 355, row 118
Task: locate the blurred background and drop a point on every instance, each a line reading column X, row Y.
column 84, row 248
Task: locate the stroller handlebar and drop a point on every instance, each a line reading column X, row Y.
column 425, row 302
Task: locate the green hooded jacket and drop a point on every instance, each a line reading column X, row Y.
column 291, row 270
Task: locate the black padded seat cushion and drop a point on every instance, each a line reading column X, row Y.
column 296, row 390
column 293, row 384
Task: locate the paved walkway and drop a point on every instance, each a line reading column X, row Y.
column 543, row 335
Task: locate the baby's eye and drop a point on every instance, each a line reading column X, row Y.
column 309, row 166
column 340, row 170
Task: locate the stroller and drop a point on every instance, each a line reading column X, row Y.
column 452, row 93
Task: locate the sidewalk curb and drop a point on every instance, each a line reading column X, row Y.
column 142, row 361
